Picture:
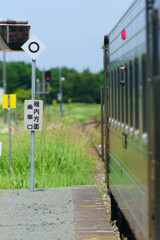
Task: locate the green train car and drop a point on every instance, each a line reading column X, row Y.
column 132, row 120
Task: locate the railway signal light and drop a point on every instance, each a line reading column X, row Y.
column 13, row 34
column 123, row 34
column 47, row 76
column 106, row 40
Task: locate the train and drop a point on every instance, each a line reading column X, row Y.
column 13, row 34
column 132, row 120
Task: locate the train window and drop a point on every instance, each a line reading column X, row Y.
column 118, row 86
column 126, row 93
column 144, row 96
column 131, row 92
column 136, row 94
column 122, row 95
column 3, row 32
column 20, row 29
column 12, row 29
column 115, row 92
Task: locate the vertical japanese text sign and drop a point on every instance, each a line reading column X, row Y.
column 33, row 110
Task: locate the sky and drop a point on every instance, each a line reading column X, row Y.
column 71, row 30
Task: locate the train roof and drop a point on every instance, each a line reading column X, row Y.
column 13, row 21
column 123, row 16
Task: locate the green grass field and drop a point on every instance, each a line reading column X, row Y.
column 61, row 150
column 75, row 112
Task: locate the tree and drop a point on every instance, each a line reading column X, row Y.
column 80, row 87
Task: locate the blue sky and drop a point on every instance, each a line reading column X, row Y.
column 72, row 30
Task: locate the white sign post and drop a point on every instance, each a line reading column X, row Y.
column 33, row 110
column 33, row 47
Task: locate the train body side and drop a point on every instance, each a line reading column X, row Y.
column 127, row 112
column 132, row 117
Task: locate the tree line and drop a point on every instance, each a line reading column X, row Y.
column 80, row 87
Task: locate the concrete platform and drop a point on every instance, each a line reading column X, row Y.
column 57, row 213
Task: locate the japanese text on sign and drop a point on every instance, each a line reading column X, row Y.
column 33, row 115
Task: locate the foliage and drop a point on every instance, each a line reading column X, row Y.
column 61, row 157
column 80, row 87
column 23, row 94
column 18, row 76
column 61, row 149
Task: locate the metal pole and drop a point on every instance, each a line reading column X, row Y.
column 38, row 88
column 48, row 86
column 4, row 84
column 106, row 132
column 69, row 109
column 60, row 91
column 43, row 88
column 10, row 143
column 102, row 132
column 16, row 120
column 33, row 132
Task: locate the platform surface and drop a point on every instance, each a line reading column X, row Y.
column 70, row 213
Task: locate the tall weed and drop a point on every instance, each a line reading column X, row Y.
column 61, row 157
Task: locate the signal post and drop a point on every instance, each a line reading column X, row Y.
column 33, row 108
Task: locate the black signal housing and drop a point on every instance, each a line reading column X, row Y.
column 47, row 76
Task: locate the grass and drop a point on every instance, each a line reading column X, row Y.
column 61, row 157
column 78, row 113
column 61, row 149
column 75, row 112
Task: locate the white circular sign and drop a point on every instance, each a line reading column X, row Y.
column 33, row 47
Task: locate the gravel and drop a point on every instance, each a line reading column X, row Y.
column 40, row 215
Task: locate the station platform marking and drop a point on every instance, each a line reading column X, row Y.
column 91, row 220
column 98, row 237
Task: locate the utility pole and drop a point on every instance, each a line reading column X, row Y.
column 38, row 89
column 16, row 113
column 60, row 91
column 4, row 84
column 43, row 87
column 102, row 125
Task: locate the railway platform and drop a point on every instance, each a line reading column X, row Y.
column 69, row 213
